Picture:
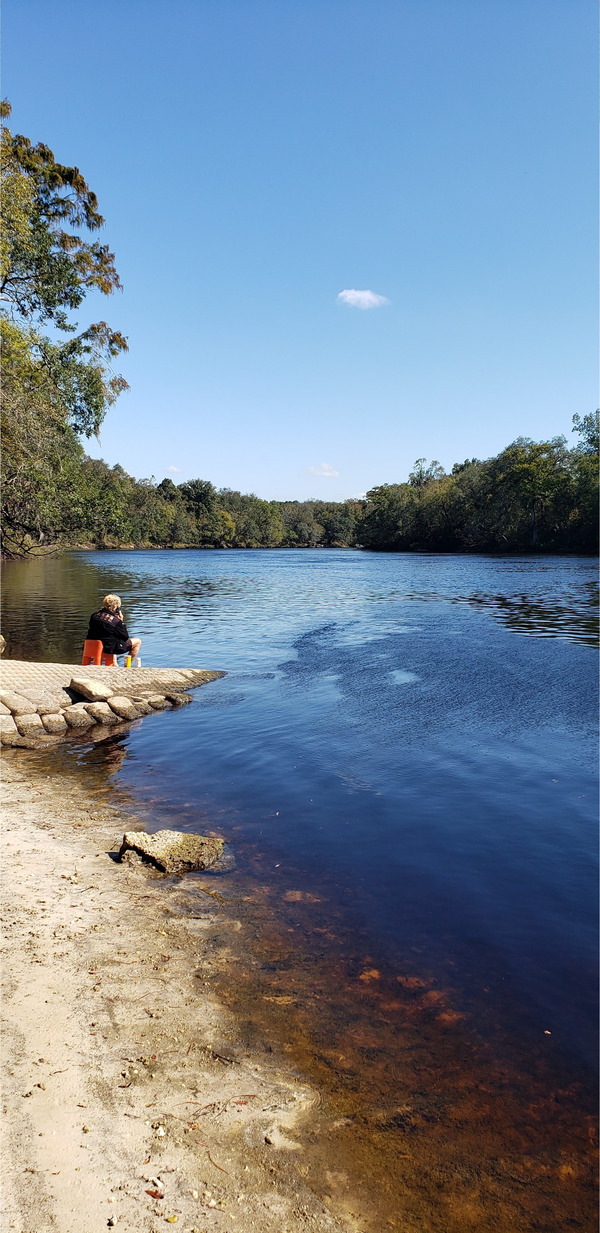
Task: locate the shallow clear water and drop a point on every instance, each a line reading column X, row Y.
column 409, row 740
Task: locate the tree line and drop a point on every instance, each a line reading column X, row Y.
column 532, row 497
column 535, row 496
column 58, row 383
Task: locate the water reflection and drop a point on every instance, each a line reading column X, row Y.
column 572, row 615
column 574, row 618
column 233, row 599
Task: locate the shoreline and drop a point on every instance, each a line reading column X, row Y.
column 55, row 550
column 123, row 1074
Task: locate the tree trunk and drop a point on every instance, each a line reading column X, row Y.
column 534, row 529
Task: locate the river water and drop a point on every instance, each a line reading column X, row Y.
column 402, row 757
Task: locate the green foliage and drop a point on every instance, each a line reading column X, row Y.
column 53, row 389
column 423, row 474
column 589, row 431
column 47, row 267
column 41, row 455
column 534, row 496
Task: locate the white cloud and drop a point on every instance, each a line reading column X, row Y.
column 175, row 470
column 324, row 469
column 362, row 299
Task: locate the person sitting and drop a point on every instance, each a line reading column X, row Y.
column 107, row 626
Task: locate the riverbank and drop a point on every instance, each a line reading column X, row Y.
column 128, row 1099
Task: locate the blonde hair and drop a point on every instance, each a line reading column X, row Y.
column 112, row 602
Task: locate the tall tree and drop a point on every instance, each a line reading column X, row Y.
column 588, row 429
column 56, row 388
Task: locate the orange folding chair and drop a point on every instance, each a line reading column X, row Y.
column 94, row 653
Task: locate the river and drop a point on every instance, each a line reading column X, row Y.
column 402, row 757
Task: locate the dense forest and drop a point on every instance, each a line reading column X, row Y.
column 532, row 497
column 58, row 383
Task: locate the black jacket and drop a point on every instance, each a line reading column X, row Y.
column 108, row 628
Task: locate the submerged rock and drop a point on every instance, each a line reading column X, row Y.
column 172, row 851
column 178, row 699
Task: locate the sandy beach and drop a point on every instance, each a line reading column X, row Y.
column 128, row 1101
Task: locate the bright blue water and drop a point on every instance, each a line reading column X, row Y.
column 412, row 735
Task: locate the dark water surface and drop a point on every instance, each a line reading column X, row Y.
column 403, row 756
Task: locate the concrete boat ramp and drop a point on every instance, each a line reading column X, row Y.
column 44, row 703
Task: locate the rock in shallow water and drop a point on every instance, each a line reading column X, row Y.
column 29, row 725
column 158, row 702
column 123, row 707
column 77, row 717
column 172, row 851
column 178, row 699
column 101, row 712
column 55, row 724
column 141, row 706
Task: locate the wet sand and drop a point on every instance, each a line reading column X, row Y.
column 123, row 1081
column 217, row 1035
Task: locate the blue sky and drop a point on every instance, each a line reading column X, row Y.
column 255, row 158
